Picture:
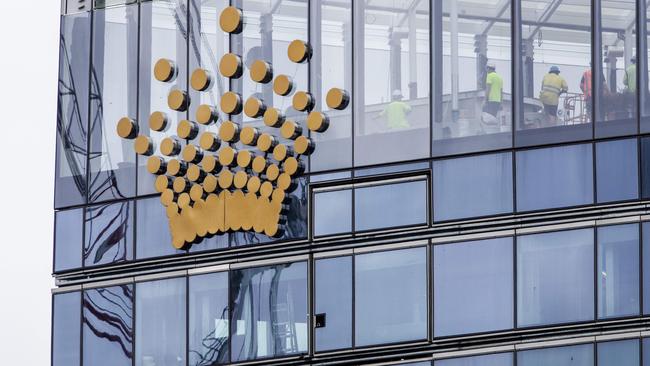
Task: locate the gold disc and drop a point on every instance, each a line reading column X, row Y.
column 244, row 158
column 196, row 192
column 164, row 70
column 143, row 145
column 337, row 98
column 210, row 164
column 206, row 114
column 318, row 121
column 290, row 130
column 283, row 85
column 127, row 128
column 225, row 179
column 229, row 132
column 169, row 146
column 253, row 184
column 201, row 80
column 254, row 108
column 231, row 20
column 266, row 142
column 284, row 182
column 187, row 130
column 278, row 195
column 293, row 166
column 302, row 101
column 227, row 156
column 192, row 154
column 184, row 200
column 272, row 172
column 167, row 197
column 304, row 145
column 281, row 152
column 195, row 173
column 249, row 135
column 266, row 189
column 178, row 100
column 209, row 141
column 181, row 184
column 162, row 183
column 231, row 103
column 240, row 180
column 273, row 117
column 261, row 72
column 299, row 51
column 176, row 167
column 158, row 121
column 210, row 183
column 156, row 165
column 259, row 164
column 230, row 66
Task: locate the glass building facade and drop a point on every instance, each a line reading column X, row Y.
column 482, row 201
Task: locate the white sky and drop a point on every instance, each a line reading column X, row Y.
column 29, row 31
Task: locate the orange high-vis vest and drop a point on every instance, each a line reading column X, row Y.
column 585, row 83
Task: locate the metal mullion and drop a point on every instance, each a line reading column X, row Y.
column 353, row 258
column 187, row 317
column 596, row 63
column 595, row 274
column 515, row 324
column 81, row 327
column 133, row 327
column 311, row 305
column 641, row 265
column 430, row 292
column 517, row 69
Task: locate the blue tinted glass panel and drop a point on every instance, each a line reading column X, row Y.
column 108, row 326
column 68, row 239
column 554, row 177
column 619, row 353
column 390, row 296
column 333, row 283
column 160, row 323
column 333, row 212
column 555, row 282
column 645, row 167
column 617, row 170
column 472, row 284
column 269, row 311
column 646, row 267
column 390, row 205
column 500, row 359
column 66, row 328
column 153, row 238
column 581, row 355
column 109, row 233
column 618, row 270
column 72, row 114
column 208, row 309
column 473, row 186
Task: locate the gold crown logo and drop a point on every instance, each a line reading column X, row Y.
column 215, row 188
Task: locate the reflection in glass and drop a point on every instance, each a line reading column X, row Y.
column 617, row 176
column 269, row 311
column 580, row 355
column 390, row 205
column 555, row 282
column 68, row 239
column 554, row 177
column 160, row 323
column 72, row 114
column 65, row 329
column 109, row 233
column 108, row 326
column 556, row 72
column 333, row 298
column 456, row 193
column 113, row 86
column 152, row 236
column 618, row 270
column 473, row 76
column 392, row 120
column 390, row 303
column 472, row 284
column 333, row 212
column 208, row 319
column 499, row 359
column 619, row 353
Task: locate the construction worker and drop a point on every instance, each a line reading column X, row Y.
column 630, row 76
column 586, row 85
column 493, row 90
column 553, row 85
column 396, row 111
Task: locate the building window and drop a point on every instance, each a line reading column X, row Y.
column 580, row 355
column 208, row 317
column 68, row 239
column 472, row 284
column 109, row 233
column 619, row 353
column 66, row 325
column 618, row 270
column 554, row 177
column 333, row 299
column 473, row 186
column 390, row 205
column 645, row 227
column 617, row 176
column 160, row 322
column 499, row 359
column 333, row 212
column 153, row 238
column 390, row 296
column 269, row 311
column 555, row 282
column 108, row 326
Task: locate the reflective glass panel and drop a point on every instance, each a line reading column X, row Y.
column 108, row 326
column 208, row 319
column 645, row 167
column 160, row 323
column 556, row 73
column 390, row 205
column 68, row 239
column 616, row 92
column 499, row 359
column 554, row 177
column 472, row 284
column 113, row 87
column 269, row 311
column 619, row 353
column 72, row 113
column 473, row 186
column 472, row 77
column 391, row 82
column 390, row 303
column 643, row 74
column 617, row 176
column 109, row 233
column 555, row 277
column 153, row 238
column 333, row 212
column 618, row 270
column 333, row 298
column 580, row 355
column 646, row 267
column 66, row 326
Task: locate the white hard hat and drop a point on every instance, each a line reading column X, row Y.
column 491, row 65
column 397, row 93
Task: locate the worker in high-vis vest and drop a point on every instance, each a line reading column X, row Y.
column 396, row 112
column 553, row 85
column 630, row 76
column 493, row 90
